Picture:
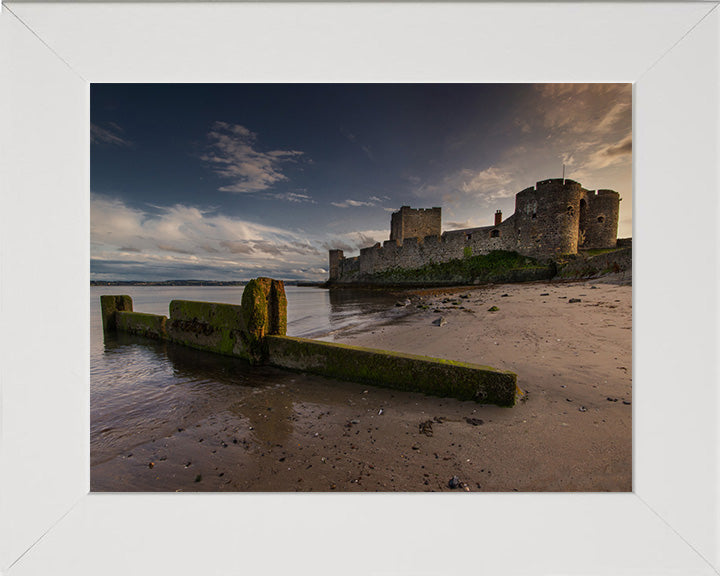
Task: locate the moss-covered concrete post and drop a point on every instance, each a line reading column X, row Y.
column 264, row 309
column 277, row 303
column 111, row 304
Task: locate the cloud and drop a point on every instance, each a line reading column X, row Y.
column 110, row 134
column 352, row 137
column 349, row 135
column 605, row 156
column 176, row 249
column 232, row 154
column 354, row 241
column 297, row 197
column 187, row 242
column 582, row 109
column 237, row 247
column 623, row 148
column 352, row 204
column 457, row 225
column 488, row 185
column 523, row 125
column 488, row 180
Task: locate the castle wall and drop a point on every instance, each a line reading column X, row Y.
column 554, row 217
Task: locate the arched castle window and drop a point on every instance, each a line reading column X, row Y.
column 495, row 234
column 534, row 215
column 468, row 236
column 601, row 219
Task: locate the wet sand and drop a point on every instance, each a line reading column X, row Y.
column 570, row 431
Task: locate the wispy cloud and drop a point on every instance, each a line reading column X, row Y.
column 298, row 197
column 233, row 155
column 622, row 148
column 352, row 203
column 604, row 156
column 352, row 137
column 109, row 134
column 486, row 185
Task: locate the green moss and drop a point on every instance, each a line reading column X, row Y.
column 216, row 314
column 467, row 252
column 278, row 308
column 597, row 251
column 255, row 315
column 497, row 266
column 140, row 324
column 255, row 309
column 109, row 305
column 410, row 372
column 493, row 309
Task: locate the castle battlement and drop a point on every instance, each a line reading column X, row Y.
column 556, row 216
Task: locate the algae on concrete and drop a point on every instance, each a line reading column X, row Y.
column 111, row 304
column 140, row 324
column 255, row 331
column 409, row 372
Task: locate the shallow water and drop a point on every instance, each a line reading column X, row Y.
column 142, row 390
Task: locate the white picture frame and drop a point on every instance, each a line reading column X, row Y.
column 50, row 524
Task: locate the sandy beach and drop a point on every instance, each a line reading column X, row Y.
column 571, row 347
column 569, row 343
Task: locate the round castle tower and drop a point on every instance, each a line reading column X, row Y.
column 560, row 216
column 601, row 219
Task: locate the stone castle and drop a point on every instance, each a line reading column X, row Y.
column 554, row 217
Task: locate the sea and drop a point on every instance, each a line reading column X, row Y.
column 140, row 389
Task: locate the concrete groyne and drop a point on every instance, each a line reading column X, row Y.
column 256, row 331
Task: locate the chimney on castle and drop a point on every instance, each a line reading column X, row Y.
column 498, row 217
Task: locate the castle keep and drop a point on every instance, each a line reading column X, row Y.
column 554, row 217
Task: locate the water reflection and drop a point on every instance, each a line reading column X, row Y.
column 143, row 390
column 205, row 382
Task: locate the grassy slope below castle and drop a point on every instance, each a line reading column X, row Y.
column 495, row 267
column 503, row 266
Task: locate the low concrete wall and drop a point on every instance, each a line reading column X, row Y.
column 433, row 376
column 255, row 330
column 139, row 324
column 209, row 326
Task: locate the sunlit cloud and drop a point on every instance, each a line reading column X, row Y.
column 185, row 240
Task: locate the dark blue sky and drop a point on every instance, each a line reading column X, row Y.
column 234, row 181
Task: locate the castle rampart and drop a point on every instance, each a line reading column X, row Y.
column 556, row 216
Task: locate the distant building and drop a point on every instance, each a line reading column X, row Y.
column 554, row 217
